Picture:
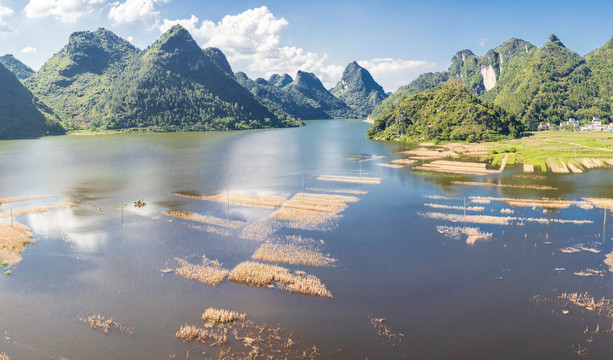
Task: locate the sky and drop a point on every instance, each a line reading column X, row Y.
column 395, row 40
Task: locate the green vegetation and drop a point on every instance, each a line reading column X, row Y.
column 99, row 81
column 547, row 84
column 447, row 112
column 21, row 70
column 21, row 114
column 359, row 90
column 572, row 147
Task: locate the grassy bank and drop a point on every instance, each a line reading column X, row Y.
column 541, row 148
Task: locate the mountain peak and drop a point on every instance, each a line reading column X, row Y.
column 280, row 80
column 219, row 58
column 21, row 70
column 310, row 80
column 555, row 40
column 358, row 89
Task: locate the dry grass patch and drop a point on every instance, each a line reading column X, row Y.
column 589, row 272
column 471, row 150
column 98, row 322
column 455, row 207
column 557, row 166
column 392, row 166
column 603, row 203
column 528, row 168
column 533, row 187
column 206, row 219
column 4, row 356
column 384, row 333
column 601, row 307
column 431, row 154
column 507, row 211
column 351, row 179
column 498, row 220
column 238, row 198
column 193, row 333
column 245, row 339
column 313, row 211
column 404, row 161
column 261, row 229
column 258, row 274
column 36, row 210
column 531, row 177
column 340, row 191
column 221, row 316
column 22, row 198
column 211, row 229
column 294, row 250
column 473, row 234
column 609, row 261
column 542, row 202
column 13, row 238
column 209, row 272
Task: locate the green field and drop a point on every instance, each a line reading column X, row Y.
column 570, row 147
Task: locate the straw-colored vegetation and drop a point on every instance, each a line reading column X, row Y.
column 221, row 316
column 22, row 198
column 209, row 272
column 530, row 177
column 455, row 207
column 211, row 229
column 98, row 322
column 193, row 333
column 258, row 274
column 438, row 197
column 557, row 166
column 436, row 153
column 473, row 234
column 498, row 220
column 4, row 356
column 403, row 161
column 454, row 167
column 542, row 202
column 470, row 150
column 351, row 179
column 507, row 211
column 609, row 261
column 528, row 168
column 533, row 187
column 589, row 272
column 313, row 211
column 206, row 219
column 604, row 203
column 36, row 210
column 578, row 248
column 384, row 333
column 340, row 191
column 601, row 307
column 238, row 198
column 294, row 250
column 13, row 238
column 393, row 166
column 261, row 229
column 244, row 339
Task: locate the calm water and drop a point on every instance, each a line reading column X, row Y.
column 450, row 300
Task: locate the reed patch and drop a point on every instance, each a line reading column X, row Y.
column 384, row 332
column 351, row 179
column 206, row 219
column 294, row 250
column 36, row 210
column 22, row 198
column 209, row 272
column 99, row 322
column 472, row 234
column 13, row 238
column 308, row 211
column 258, row 274
column 243, row 199
column 532, row 187
column 455, row 207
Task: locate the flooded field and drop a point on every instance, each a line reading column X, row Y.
column 297, row 243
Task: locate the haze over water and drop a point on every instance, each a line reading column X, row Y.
column 494, row 299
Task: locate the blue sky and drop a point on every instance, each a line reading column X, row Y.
column 395, row 40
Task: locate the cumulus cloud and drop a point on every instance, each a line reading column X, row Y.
column 252, row 41
column 134, row 10
column 5, row 12
column 67, row 11
column 483, row 41
column 29, row 50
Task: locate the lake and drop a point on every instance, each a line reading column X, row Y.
column 440, row 297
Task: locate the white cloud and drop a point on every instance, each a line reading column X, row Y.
column 4, row 12
column 134, row 10
column 29, row 50
column 67, row 11
column 252, row 41
column 483, row 41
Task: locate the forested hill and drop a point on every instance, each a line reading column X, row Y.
column 547, row 84
column 359, row 90
column 101, row 81
column 21, row 70
column 446, row 112
column 21, row 114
